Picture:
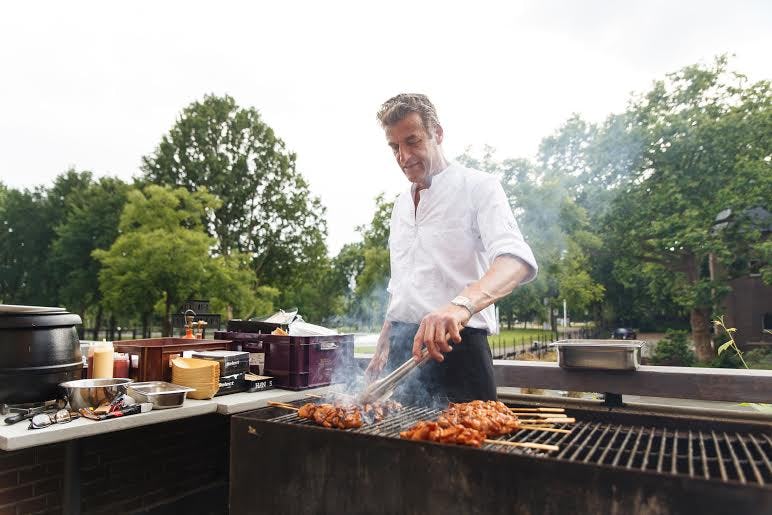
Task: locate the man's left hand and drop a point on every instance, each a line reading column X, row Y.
column 437, row 327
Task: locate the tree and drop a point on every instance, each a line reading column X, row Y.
column 163, row 254
column 360, row 271
column 90, row 222
column 266, row 209
column 707, row 138
column 27, row 274
column 556, row 227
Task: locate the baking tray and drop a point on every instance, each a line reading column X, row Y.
column 599, row 354
column 162, row 394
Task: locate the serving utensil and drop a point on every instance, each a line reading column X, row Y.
column 384, row 387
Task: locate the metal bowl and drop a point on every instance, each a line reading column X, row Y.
column 91, row 393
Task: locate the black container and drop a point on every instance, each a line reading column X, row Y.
column 249, row 342
column 39, row 348
column 231, row 362
column 232, row 384
column 254, row 326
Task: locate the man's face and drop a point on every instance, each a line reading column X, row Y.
column 417, row 152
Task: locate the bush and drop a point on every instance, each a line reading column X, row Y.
column 673, row 350
column 759, row 358
column 727, row 359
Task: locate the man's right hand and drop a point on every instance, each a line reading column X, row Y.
column 378, row 360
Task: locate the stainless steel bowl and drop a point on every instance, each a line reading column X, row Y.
column 163, row 395
column 91, row 393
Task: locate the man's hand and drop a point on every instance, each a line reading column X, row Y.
column 437, row 327
column 378, row 361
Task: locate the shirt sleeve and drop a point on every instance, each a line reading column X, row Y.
column 497, row 225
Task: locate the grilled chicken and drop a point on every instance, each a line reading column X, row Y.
column 434, row 432
column 346, row 416
column 490, row 417
column 328, row 415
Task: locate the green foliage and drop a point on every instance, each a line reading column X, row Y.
column 27, row 234
column 559, row 232
column 163, row 255
column 760, row 358
column 705, row 150
column 266, row 209
column 730, row 344
column 90, row 222
column 360, row 272
column 673, row 350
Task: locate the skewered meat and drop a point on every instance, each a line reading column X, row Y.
column 344, row 415
column 377, row 411
column 490, row 417
column 433, row 432
column 328, row 415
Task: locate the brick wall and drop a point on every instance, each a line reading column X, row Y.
column 159, row 468
column 31, row 480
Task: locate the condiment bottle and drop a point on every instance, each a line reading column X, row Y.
column 90, row 362
column 188, row 333
column 103, row 361
column 120, row 364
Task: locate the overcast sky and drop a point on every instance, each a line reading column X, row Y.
column 94, row 85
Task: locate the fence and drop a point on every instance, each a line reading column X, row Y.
column 132, row 333
column 504, row 348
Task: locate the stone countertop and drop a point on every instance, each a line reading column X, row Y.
column 17, row 436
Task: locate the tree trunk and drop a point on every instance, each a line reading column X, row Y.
column 97, row 322
column 700, row 323
column 111, row 331
column 167, row 327
column 145, row 329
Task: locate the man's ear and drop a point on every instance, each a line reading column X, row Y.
column 438, row 133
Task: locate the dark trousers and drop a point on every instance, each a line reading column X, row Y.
column 466, row 373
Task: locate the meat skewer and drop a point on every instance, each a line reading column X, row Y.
column 538, row 410
column 341, row 415
column 425, row 430
column 540, row 446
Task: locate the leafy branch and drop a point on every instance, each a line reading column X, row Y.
column 718, row 323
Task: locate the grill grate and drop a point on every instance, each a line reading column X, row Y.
column 730, row 457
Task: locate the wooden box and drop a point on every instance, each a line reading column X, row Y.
column 150, row 358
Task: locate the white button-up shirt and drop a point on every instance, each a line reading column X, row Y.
column 463, row 222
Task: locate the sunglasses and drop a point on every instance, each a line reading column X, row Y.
column 47, row 419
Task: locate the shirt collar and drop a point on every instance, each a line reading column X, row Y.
column 438, row 178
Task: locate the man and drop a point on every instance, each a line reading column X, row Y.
column 455, row 249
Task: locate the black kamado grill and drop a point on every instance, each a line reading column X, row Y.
column 620, row 461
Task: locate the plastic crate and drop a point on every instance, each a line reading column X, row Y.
column 301, row 362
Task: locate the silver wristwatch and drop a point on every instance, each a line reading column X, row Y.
column 464, row 302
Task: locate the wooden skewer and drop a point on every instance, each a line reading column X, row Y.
column 541, row 410
column 541, row 446
column 559, row 420
column 539, row 415
column 545, row 429
column 313, row 395
column 282, row 405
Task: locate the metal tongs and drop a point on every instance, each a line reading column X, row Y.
column 384, row 387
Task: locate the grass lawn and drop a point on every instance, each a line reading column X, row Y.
column 504, row 338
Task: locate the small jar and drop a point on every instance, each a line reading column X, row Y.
column 120, row 364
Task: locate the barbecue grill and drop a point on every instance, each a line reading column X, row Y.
column 613, row 461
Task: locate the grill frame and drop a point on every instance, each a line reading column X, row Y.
column 378, row 473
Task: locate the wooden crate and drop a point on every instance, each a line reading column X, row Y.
column 153, row 355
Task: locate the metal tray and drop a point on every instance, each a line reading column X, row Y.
column 599, row 354
column 163, row 395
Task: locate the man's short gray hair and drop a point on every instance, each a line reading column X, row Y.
column 398, row 107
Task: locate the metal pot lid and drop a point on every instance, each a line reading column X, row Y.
column 11, row 309
column 34, row 317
